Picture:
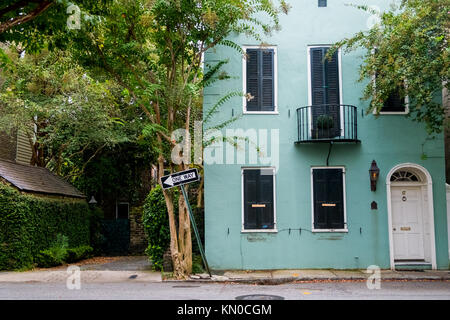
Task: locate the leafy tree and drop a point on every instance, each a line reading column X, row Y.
column 407, row 50
column 153, row 49
column 59, row 107
column 44, row 23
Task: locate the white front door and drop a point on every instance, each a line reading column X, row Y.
column 407, row 222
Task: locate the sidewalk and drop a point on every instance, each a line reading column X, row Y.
column 95, row 270
column 135, row 270
column 283, row 276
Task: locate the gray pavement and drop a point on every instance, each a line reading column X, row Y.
column 410, row 290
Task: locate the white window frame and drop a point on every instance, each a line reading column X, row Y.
column 274, row 230
column 345, row 230
column 275, row 79
column 341, row 95
column 117, row 208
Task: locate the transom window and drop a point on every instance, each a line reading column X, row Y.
column 403, row 175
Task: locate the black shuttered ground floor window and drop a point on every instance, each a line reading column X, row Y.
column 328, row 187
column 258, row 186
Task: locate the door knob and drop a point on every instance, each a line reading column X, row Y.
column 395, row 229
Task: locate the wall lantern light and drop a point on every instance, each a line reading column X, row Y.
column 374, row 173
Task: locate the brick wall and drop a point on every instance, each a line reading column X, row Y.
column 138, row 238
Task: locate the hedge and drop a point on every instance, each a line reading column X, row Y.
column 30, row 224
column 156, row 226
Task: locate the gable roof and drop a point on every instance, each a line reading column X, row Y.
column 36, row 179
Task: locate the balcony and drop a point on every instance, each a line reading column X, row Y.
column 327, row 123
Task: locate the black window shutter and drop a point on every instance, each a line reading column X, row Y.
column 258, row 190
column 260, row 79
column 267, row 80
column 253, row 79
column 328, row 199
column 325, row 91
column 318, row 76
column 266, row 199
column 251, row 183
column 394, row 103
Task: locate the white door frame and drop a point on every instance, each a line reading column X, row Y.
column 430, row 211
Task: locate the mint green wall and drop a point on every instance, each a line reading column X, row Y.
column 390, row 140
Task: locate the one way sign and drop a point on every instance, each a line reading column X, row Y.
column 179, row 178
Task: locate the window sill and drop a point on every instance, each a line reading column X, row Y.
column 260, row 231
column 393, row 113
column 261, row 112
column 330, row 230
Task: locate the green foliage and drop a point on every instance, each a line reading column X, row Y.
column 412, row 54
column 30, row 224
column 197, row 264
column 79, row 253
column 325, row 122
column 156, row 224
column 23, row 21
column 57, row 255
column 75, row 116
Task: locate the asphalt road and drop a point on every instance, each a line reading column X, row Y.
column 411, row 290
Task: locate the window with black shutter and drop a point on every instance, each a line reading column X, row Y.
column 328, row 197
column 394, row 103
column 325, row 93
column 258, row 187
column 260, row 82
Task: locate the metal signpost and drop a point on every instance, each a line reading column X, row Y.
column 180, row 179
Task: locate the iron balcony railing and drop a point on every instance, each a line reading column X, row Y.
column 327, row 123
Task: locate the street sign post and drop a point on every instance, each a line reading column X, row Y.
column 180, row 179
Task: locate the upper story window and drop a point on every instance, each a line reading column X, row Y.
column 322, row 3
column 260, row 80
column 325, row 92
column 395, row 104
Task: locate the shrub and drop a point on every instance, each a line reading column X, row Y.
column 55, row 255
column 30, row 224
column 156, row 225
column 79, row 253
column 197, row 264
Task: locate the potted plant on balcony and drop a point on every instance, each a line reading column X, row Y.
column 324, row 124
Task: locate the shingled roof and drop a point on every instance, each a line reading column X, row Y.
column 36, row 179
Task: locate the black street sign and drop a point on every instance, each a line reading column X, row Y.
column 179, row 178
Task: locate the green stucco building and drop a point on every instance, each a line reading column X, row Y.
column 296, row 191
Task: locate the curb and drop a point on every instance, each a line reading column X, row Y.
column 279, row 281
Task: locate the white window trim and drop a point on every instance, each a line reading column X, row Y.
column 275, row 79
column 341, row 96
column 117, row 208
column 274, row 230
column 345, row 230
